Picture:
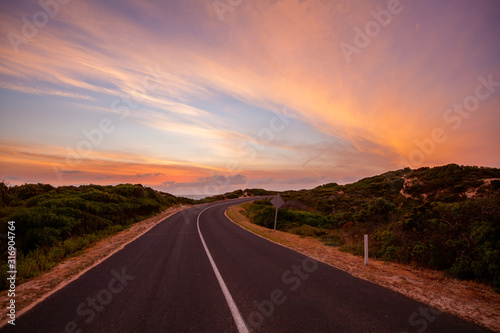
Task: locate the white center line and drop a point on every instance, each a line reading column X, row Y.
column 240, row 323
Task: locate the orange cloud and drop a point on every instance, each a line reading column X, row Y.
column 371, row 111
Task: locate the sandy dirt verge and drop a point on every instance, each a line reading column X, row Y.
column 472, row 301
column 37, row 289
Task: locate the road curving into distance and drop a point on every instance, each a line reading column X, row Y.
column 198, row 272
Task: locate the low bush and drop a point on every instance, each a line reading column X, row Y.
column 54, row 223
column 437, row 227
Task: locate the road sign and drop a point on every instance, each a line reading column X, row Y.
column 277, row 201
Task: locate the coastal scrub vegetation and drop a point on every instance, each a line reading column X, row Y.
column 444, row 218
column 52, row 223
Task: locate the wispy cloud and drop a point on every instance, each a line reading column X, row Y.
column 198, row 91
column 150, row 174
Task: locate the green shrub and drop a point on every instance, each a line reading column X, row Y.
column 53, row 223
column 307, row 230
column 438, row 228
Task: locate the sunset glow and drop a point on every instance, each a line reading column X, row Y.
column 203, row 97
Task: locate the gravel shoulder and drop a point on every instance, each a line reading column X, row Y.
column 472, row 301
column 37, row 289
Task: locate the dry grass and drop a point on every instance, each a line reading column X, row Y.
column 35, row 290
column 469, row 300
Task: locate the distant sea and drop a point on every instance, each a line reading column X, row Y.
column 192, row 196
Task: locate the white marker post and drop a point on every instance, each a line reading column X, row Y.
column 366, row 250
column 277, row 203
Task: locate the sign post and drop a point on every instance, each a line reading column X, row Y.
column 366, row 250
column 277, row 203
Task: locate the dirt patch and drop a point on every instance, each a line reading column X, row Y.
column 472, row 192
column 405, row 187
column 34, row 291
column 472, row 301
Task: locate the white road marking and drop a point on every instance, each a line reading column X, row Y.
column 240, row 323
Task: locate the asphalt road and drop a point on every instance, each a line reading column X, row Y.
column 198, row 272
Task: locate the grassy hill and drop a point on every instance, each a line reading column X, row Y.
column 52, row 223
column 445, row 218
column 249, row 192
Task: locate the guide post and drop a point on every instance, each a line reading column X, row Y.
column 366, row 250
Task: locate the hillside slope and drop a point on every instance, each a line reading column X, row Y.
column 52, row 223
column 445, row 218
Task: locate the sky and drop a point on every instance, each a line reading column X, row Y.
column 203, row 97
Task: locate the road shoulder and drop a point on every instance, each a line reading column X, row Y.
column 472, row 301
column 37, row 289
